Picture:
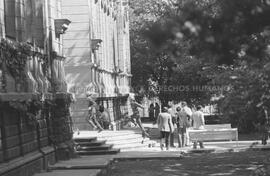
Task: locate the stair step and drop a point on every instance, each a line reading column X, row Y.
column 94, row 148
column 131, row 146
column 99, row 152
column 85, row 139
column 93, row 143
column 115, row 133
column 121, row 138
column 125, row 140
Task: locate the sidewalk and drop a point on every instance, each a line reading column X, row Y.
column 99, row 165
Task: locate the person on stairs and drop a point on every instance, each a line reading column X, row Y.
column 92, row 112
column 105, row 120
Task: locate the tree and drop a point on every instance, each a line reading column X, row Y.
column 143, row 55
column 159, row 65
column 233, row 38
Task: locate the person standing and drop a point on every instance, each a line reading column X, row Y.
column 92, row 111
column 151, row 112
column 186, row 109
column 265, row 127
column 157, row 111
column 172, row 112
column 182, row 125
column 165, row 127
column 198, row 123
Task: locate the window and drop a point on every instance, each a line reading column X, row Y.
column 10, row 24
column 34, row 28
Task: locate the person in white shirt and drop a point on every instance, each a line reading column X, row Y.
column 165, row 127
column 198, row 123
column 186, row 109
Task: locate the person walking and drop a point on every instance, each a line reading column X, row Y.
column 92, row 112
column 182, row 124
column 198, row 123
column 165, row 127
column 135, row 117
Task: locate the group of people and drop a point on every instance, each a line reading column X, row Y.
column 174, row 120
column 99, row 119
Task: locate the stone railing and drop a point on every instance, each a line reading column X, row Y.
column 116, row 106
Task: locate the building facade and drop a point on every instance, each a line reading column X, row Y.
column 35, row 123
column 97, row 53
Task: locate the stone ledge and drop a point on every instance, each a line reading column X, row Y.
column 82, row 172
column 30, row 157
column 18, row 162
column 18, row 96
column 62, row 95
column 84, row 162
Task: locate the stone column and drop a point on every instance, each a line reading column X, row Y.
column 19, row 20
column 120, row 32
column 35, row 73
column 42, row 76
column 31, row 84
column 54, row 75
column 2, row 32
column 2, row 21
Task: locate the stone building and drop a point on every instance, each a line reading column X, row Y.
column 35, row 123
column 97, row 53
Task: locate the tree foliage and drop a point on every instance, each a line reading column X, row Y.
column 143, row 55
column 158, row 64
column 231, row 39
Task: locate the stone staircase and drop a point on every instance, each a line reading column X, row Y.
column 126, row 140
column 110, row 142
column 92, row 146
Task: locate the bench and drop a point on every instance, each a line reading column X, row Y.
column 216, row 132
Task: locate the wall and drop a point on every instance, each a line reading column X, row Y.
column 35, row 122
column 105, row 69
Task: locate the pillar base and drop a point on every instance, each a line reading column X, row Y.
column 65, row 151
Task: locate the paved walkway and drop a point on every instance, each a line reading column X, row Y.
column 99, row 165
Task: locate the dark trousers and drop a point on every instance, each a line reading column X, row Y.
column 105, row 125
column 265, row 134
column 181, row 136
column 166, row 135
column 172, row 139
column 195, row 144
